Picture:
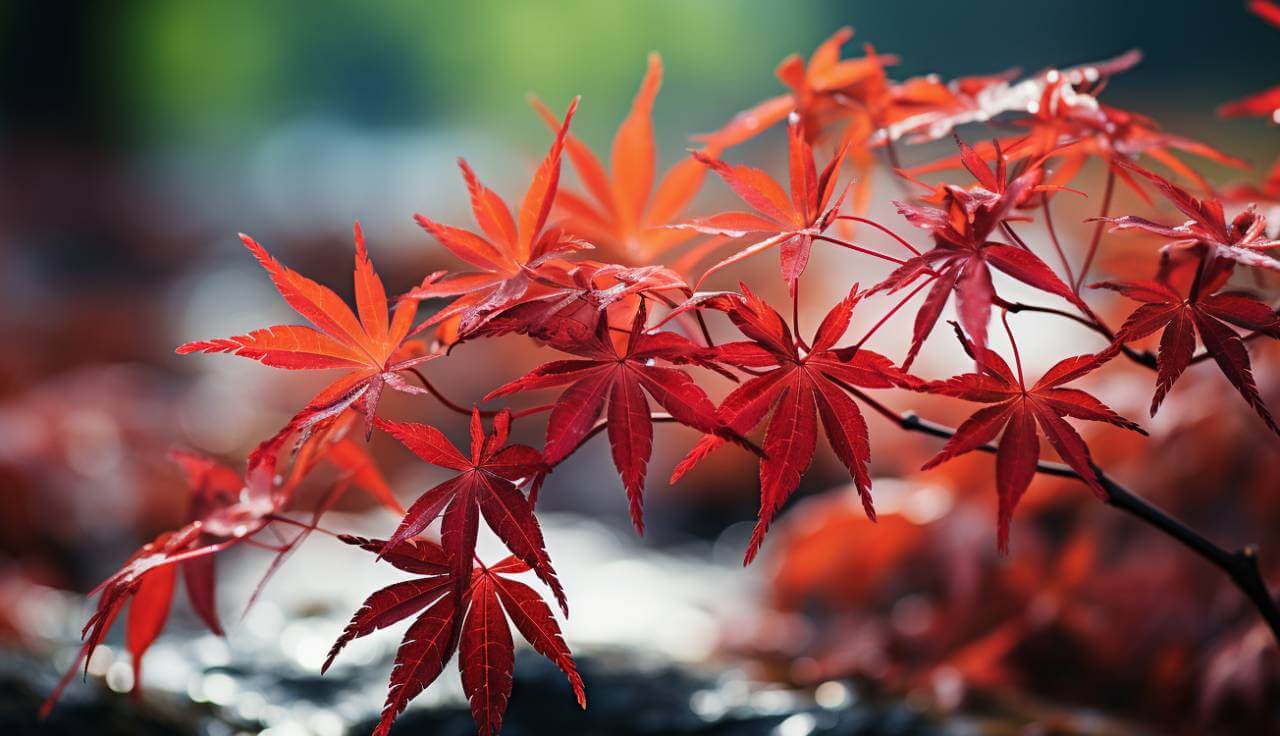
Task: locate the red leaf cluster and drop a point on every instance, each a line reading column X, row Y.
column 640, row 352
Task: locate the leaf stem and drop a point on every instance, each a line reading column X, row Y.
column 883, row 229
column 1014, row 238
column 486, row 413
column 1057, row 245
column 1017, row 356
column 1107, row 193
column 860, row 249
column 795, row 315
column 901, row 303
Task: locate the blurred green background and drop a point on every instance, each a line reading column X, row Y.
column 206, row 117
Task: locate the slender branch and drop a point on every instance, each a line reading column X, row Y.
column 1241, row 565
column 1144, row 358
column 702, row 325
column 1016, row 307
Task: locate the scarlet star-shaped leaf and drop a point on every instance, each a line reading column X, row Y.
column 570, row 311
column 509, row 253
column 1067, row 125
column 1017, row 410
column 1244, row 240
column 486, row 485
column 817, row 91
column 1267, row 102
column 856, row 99
column 605, row 374
column 621, row 211
column 964, row 253
column 984, row 98
column 1211, row 316
column 477, row 627
column 800, row 385
column 791, row 222
column 226, row 508
column 371, row 348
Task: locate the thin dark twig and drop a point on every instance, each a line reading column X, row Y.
column 702, row 325
column 1144, row 358
column 1014, row 238
column 1241, row 565
column 1094, row 325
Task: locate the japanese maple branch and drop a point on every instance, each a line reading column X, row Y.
column 1144, row 358
column 1241, row 565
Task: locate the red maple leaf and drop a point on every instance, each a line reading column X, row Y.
column 226, row 509
column 1268, row 191
column 1208, row 314
column 984, row 98
column 621, row 211
column 964, row 253
column 476, row 626
column 1267, row 102
column 371, row 348
column 510, row 254
column 800, row 384
column 619, row 377
column 487, row 485
column 817, row 96
column 1067, row 125
column 1244, row 240
column 1018, row 409
column 791, row 222
column 568, row 311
